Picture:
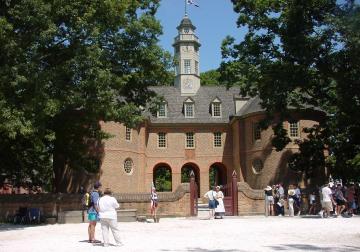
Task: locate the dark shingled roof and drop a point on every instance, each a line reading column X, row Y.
column 186, row 22
column 202, row 100
column 252, row 106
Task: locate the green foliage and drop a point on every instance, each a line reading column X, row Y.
column 65, row 66
column 163, row 180
column 213, row 173
column 300, row 55
column 210, row 78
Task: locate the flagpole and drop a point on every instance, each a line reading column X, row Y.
column 185, row 7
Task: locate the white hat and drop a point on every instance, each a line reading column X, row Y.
column 268, row 188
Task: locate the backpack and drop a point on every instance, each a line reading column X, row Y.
column 86, row 200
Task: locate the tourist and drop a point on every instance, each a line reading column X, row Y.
column 212, row 202
column 108, row 217
column 297, row 199
column 93, row 210
column 312, row 203
column 281, row 191
column 327, row 201
column 154, row 204
column 340, row 199
column 291, row 199
column 269, row 200
column 220, row 208
column 350, row 196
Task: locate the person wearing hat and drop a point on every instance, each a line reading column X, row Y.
column 291, row 199
column 327, row 200
column 269, row 200
column 93, row 211
column 220, row 208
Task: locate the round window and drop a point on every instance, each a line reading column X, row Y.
column 257, row 166
column 128, row 166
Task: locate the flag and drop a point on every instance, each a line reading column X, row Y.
column 192, row 2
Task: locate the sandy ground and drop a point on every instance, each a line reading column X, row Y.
column 179, row 234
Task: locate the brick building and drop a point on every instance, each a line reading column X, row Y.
column 210, row 130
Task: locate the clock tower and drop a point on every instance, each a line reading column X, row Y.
column 186, row 50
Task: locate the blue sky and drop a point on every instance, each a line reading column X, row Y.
column 214, row 20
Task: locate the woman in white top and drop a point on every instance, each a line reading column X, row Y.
column 108, row 217
column 291, row 195
column 220, row 209
column 154, row 204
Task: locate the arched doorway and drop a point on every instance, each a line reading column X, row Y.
column 217, row 175
column 162, row 178
column 185, row 174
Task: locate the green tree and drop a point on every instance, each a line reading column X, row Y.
column 210, row 78
column 64, row 67
column 298, row 55
column 163, row 179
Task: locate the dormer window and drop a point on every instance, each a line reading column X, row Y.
column 189, row 110
column 216, row 108
column 162, row 111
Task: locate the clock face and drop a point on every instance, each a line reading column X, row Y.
column 188, row 84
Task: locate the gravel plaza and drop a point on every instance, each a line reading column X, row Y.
column 238, row 234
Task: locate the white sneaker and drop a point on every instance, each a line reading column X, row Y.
column 119, row 244
column 321, row 213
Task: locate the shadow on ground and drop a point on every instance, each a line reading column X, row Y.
column 10, row 227
column 307, row 247
column 207, row 250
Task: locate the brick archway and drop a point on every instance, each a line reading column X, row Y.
column 185, row 174
column 217, row 174
column 162, row 177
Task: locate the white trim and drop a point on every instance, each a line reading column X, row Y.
column 186, row 140
column 158, row 140
column 126, row 134
column 298, row 130
column 132, row 166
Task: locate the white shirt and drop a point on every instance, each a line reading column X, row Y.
column 210, row 195
column 326, row 193
column 107, row 207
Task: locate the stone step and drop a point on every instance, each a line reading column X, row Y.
column 123, row 215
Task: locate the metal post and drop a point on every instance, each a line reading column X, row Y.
column 234, row 194
column 192, row 193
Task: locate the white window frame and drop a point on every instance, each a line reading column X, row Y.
column 190, row 140
column 256, row 132
column 127, row 162
column 189, row 107
column 128, row 134
column 213, row 109
column 187, row 66
column 294, row 129
column 159, row 115
column 217, row 139
column 162, row 143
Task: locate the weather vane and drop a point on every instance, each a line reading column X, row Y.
column 192, row 2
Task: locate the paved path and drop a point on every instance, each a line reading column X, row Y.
column 179, row 234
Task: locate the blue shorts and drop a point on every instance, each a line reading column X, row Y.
column 212, row 204
column 93, row 217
